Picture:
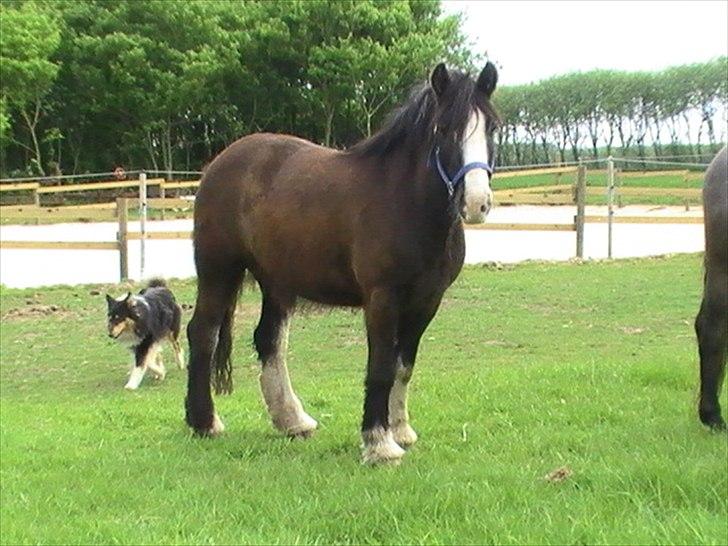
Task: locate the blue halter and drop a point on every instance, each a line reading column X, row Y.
column 451, row 183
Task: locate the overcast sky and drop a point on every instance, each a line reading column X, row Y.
column 532, row 40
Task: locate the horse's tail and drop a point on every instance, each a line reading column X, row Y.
column 222, row 365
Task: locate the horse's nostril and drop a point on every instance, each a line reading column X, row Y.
column 483, row 208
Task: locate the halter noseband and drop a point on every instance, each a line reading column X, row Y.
column 451, row 183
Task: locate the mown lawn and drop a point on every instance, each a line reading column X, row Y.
column 525, row 369
column 596, row 181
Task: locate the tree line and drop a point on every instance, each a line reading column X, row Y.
column 598, row 113
column 89, row 85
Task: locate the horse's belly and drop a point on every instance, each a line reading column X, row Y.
column 309, row 269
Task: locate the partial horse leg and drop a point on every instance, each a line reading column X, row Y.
column 215, row 295
column 411, row 327
column 271, row 342
column 711, row 326
column 381, row 314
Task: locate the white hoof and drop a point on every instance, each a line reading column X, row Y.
column 217, row 427
column 131, row 387
column 380, row 447
column 404, row 434
column 296, row 425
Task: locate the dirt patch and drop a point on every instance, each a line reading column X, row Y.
column 34, row 310
column 501, row 343
column 631, row 330
column 559, row 475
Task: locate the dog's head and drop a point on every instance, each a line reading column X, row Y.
column 122, row 315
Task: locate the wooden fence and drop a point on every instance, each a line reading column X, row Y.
column 560, row 194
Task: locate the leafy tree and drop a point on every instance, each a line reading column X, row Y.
column 28, row 39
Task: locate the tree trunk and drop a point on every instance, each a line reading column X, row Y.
column 32, row 124
column 329, row 125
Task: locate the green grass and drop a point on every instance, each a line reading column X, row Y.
column 597, row 182
column 524, row 369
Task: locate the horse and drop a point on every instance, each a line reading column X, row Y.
column 377, row 226
column 711, row 324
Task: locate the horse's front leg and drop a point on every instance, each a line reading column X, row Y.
column 412, row 325
column 382, row 313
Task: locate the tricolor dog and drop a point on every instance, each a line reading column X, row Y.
column 143, row 322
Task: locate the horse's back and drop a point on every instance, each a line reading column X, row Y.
column 715, row 208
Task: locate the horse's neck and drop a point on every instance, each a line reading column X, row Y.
column 409, row 173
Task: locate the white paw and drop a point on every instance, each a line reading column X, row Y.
column 404, row 434
column 380, row 447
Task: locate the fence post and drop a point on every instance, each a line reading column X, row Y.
column 142, row 219
column 580, row 206
column 36, row 202
column 122, row 212
column 618, row 186
column 610, row 203
column 163, row 194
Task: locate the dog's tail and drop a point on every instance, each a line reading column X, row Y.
column 157, row 282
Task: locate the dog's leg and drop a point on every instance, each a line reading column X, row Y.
column 141, row 361
column 179, row 354
column 136, row 376
column 155, row 363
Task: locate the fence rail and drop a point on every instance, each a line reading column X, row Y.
column 558, row 194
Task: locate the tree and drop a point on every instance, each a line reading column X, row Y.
column 28, row 39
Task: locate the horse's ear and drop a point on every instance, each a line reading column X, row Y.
column 439, row 79
column 488, row 79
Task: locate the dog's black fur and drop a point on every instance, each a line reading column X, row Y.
column 143, row 321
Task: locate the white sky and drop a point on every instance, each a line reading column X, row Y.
column 532, row 40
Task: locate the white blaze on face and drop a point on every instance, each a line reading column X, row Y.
column 478, row 195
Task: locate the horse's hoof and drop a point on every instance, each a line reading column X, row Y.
column 714, row 422
column 302, row 427
column 404, row 434
column 214, row 430
column 380, row 447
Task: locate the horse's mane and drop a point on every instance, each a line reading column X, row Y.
column 415, row 119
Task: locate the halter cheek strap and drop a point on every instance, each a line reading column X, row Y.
column 451, row 183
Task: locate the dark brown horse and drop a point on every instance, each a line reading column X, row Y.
column 378, row 226
column 711, row 324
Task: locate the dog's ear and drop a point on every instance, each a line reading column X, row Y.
column 110, row 301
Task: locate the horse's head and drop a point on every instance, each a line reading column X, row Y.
column 464, row 151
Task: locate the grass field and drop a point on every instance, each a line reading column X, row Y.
column 525, row 369
column 596, row 182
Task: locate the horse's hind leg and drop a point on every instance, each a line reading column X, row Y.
column 711, row 326
column 216, row 293
column 271, row 342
